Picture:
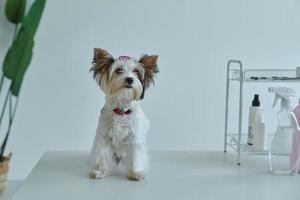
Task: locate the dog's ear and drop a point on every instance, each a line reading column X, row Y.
column 101, row 62
column 149, row 63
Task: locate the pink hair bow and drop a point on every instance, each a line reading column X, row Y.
column 124, row 58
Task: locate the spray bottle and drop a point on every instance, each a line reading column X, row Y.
column 295, row 154
column 256, row 129
column 254, row 112
column 280, row 147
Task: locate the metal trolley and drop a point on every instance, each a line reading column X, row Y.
column 236, row 72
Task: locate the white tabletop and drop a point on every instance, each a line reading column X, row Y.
column 173, row 175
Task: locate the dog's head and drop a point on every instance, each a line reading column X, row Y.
column 124, row 76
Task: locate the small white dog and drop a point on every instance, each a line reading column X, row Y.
column 123, row 126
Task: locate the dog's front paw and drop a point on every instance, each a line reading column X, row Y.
column 136, row 176
column 96, row 174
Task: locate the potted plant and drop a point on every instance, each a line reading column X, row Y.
column 15, row 64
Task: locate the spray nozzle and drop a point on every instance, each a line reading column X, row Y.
column 284, row 93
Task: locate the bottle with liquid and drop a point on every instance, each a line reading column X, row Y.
column 295, row 154
column 259, row 133
column 254, row 113
column 281, row 145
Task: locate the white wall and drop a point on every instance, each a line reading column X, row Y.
column 60, row 102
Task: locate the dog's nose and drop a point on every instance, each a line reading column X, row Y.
column 129, row 80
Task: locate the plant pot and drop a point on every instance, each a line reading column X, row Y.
column 4, row 170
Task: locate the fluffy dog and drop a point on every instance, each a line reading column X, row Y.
column 123, row 126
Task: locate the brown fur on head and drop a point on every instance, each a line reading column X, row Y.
column 101, row 61
column 149, row 63
column 105, row 66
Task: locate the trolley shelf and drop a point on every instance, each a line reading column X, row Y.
column 237, row 73
column 232, row 141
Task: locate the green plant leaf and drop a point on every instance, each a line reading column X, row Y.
column 17, row 82
column 19, row 54
column 32, row 19
column 17, row 60
column 10, row 63
column 14, row 53
column 14, row 10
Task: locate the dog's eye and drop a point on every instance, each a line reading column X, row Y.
column 136, row 71
column 119, row 71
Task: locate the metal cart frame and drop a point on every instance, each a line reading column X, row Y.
column 240, row 75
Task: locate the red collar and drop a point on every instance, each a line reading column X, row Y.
column 119, row 111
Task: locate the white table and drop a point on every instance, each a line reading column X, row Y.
column 173, row 175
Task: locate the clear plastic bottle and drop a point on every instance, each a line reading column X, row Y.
column 280, row 147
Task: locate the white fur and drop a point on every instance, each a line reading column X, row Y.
column 121, row 135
